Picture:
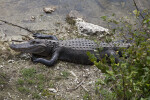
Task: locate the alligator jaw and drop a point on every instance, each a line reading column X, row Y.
column 28, row 48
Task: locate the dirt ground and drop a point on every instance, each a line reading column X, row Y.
column 22, row 79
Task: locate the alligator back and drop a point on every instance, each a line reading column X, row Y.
column 78, row 44
column 75, row 50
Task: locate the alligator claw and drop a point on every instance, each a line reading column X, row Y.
column 33, row 58
column 36, row 35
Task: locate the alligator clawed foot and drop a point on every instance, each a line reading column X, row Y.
column 33, row 59
column 36, row 35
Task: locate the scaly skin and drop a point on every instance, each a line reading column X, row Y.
column 74, row 50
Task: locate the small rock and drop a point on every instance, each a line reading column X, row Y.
column 78, row 82
column 32, row 18
column 52, row 90
column 49, row 9
column 61, row 73
column 87, row 70
column 1, row 66
column 57, row 67
column 84, row 75
column 25, row 56
column 10, row 61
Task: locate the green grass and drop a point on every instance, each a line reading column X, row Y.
column 30, row 81
column 65, row 74
column 27, row 73
column 40, row 87
column 20, row 82
column 51, row 84
column 40, row 77
column 86, row 96
column 46, row 93
column 37, row 82
column 36, row 96
column 24, row 90
column 3, row 78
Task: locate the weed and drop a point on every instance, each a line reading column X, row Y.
column 3, row 80
column 35, row 96
column 40, row 87
column 30, row 81
column 51, row 84
column 24, row 90
column 58, row 78
column 65, row 74
column 46, row 93
column 28, row 73
column 20, row 82
column 86, row 96
column 70, row 21
column 40, row 77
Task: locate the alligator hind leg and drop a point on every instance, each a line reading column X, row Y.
column 43, row 36
column 110, row 53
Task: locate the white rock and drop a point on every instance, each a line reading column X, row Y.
column 57, row 67
column 49, row 9
column 10, row 61
column 77, row 96
column 86, row 28
column 1, row 66
column 52, row 90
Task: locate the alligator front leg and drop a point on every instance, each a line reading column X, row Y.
column 43, row 36
column 46, row 62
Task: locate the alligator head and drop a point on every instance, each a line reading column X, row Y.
column 35, row 46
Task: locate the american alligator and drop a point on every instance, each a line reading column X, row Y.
column 74, row 50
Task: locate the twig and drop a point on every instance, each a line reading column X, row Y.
column 84, row 88
column 31, row 31
column 69, row 90
column 138, row 9
column 74, row 75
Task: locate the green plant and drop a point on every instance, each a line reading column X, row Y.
column 30, row 79
column 20, row 82
column 27, row 73
column 46, row 93
column 2, row 78
column 70, row 20
column 24, row 90
column 65, row 74
column 130, row 78
column 40, row 87
column 36, row 96
column 86, row 96
column 51, row 84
